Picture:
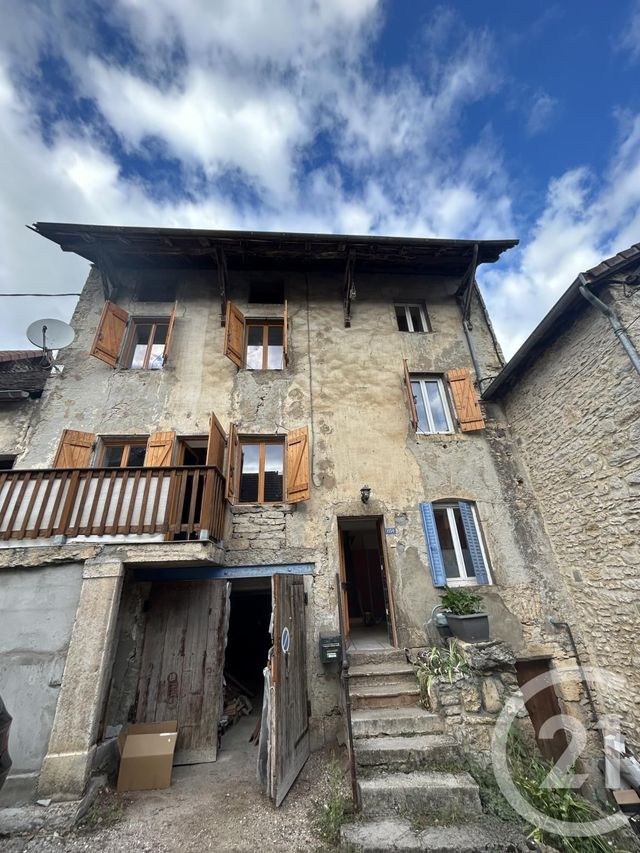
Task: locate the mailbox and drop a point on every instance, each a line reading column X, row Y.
column 330, row 647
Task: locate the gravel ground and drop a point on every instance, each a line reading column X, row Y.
column 208, row 807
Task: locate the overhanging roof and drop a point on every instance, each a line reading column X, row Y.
column 570, row 304
column 187, row 247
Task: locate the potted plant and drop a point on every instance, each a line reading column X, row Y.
column 465, row 615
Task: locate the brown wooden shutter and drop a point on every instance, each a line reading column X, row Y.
column 298, row 465
column 234, row 335
column 285, row 335
column 465, row 399
column 216, row 445
column 74, row 450
column 109, row 334
column 232, row 473
column 160, row 449
column 412, row 400
column 172, row 322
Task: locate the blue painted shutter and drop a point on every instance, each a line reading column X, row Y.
column 433, row 545
column 473, row 542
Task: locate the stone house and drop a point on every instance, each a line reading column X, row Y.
column 571, row 395
column 252, row 432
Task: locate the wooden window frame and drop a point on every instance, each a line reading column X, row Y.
column 127, row 353
column 444, row 397
column 266, row 325
column 423, row 316
column 463, row 578
column 126, row 443
column 262, row 442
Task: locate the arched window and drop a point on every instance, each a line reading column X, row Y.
column 454, row 542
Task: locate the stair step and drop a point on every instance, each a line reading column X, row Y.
column 406, row 753
column 359, row 657
column 382, row 673
column 384, row 695
column 380, row 836
column 376, row 722
column 420, row 792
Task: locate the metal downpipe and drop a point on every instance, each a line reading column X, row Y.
column 614, row 320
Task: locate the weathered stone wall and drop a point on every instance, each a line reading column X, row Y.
column 576, row 416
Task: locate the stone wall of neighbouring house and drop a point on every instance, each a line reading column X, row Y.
column 576, row 417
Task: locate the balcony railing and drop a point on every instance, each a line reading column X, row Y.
column 179, row 503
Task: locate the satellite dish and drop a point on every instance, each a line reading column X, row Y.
column 50, row 334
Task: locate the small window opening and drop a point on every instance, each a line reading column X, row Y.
column 7, row 462
column 123, row 454
column 261, row 472
column 146, row 347
column 156, row 291
column 266, row 292
column 265, row 350
column 412, row 317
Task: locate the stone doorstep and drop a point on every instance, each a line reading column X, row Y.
column 360, row 657
column 419, row 792
column 379, row 722
column 413, row 752
column 381, row 836
column 384, row 696
column 382, row 673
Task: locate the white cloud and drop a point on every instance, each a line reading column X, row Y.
column 542, row 112
column 629, row 39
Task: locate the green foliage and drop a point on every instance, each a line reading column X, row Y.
column 461, row 602
column 331, row 813
column 529, row 771
column 435, row 663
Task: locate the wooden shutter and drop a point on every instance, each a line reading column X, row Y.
column 232, row 474
column 216, row 445
column 160, row 449
column 74, row 450
column 285, row 335
column 298, row 465
column 172, row 322
column 412, row 400
column 109, row 334
column 234, row 331
column 465, row 400
column 433, row 545
column 473, row 542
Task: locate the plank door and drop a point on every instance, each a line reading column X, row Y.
column 542, row 707
column 289, row 719
column 182, row 663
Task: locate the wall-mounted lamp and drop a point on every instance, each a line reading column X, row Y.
column 365, row 494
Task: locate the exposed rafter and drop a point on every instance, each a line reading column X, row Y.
column 223, row 282
column 349, row 287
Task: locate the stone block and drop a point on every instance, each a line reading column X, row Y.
column 491, row 698
column 470, row 698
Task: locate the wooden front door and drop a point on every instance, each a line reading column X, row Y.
column 182, row 663
column 542, row 707
column 289, row 717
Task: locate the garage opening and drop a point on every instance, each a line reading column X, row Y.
column 246, row 655
column 364, row 583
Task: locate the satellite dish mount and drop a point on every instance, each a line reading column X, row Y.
column 49, row 335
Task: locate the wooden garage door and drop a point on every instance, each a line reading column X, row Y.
column 182, row 663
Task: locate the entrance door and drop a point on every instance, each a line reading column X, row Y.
column 366, row 603
column 182, row 663
column 542, row 707
column 289, row 715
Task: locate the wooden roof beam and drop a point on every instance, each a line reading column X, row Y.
column 223, row 282
column 349, row 287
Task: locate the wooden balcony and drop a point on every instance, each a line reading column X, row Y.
column 176, row 503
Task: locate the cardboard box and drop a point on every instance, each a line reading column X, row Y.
column 146, row 755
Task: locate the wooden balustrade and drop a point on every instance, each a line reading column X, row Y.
column 178, row 502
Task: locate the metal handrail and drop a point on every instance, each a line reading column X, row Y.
column 344, row 683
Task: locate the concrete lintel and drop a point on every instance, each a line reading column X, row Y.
column 103, row 567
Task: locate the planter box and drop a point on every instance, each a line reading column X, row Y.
column 471, row 629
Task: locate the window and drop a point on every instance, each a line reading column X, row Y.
column 266, row 292
column 454, row 540
column 123, row 453
column 412, row 317
column 7, row 462
column 431, row 404
column 147, row 344
column 261, row 472
column 264, row 346
column 156, row 291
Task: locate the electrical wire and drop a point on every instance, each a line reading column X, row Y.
column 40, row 294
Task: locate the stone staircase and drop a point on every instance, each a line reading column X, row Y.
column 413, row 796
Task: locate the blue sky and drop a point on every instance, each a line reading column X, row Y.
column 462, row 119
